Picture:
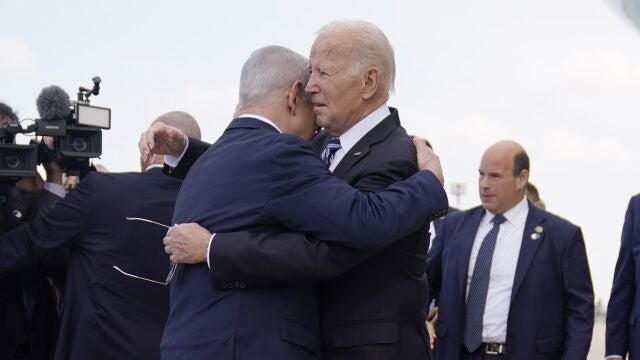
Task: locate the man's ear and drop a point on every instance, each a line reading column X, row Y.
column 294, row 96
column 371, row 83
column 522, row 179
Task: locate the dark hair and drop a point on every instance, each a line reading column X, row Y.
column 6, row 110
column 533, row 192
column 520, row 162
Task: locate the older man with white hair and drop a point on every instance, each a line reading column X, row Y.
column 373, row 303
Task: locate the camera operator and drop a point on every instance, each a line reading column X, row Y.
column 29, row 297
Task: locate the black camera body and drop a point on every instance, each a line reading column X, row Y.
column 77, row 135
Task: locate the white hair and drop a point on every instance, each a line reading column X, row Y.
column 370, row 48
column 267, row 71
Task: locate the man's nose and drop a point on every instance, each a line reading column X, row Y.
column 312, row 84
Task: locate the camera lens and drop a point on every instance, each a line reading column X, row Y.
column 12, row 162
column 79, row 145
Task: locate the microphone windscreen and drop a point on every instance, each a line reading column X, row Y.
column 53, row 103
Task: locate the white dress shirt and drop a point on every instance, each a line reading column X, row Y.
column 503, row 269
column 357, row 131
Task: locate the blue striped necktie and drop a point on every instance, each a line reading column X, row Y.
column 330, row 150
column 477, row 298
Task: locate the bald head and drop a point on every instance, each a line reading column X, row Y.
column 182, row 121
column 510, row 150
column 504, row 173
column 177, row 119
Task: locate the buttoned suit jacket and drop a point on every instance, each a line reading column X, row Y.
column 374, row 307
column 256, row 179
column 551, row 310
column 106, row 315
column 623, row 311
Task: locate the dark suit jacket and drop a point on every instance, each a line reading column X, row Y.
column 28, row 312
column 106, row 315
column 551, row 310
column 373, row 310
column 623, row 312
column 254, row 178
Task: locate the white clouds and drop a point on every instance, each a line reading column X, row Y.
column 17, row 58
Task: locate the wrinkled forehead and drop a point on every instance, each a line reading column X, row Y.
column 331, row 47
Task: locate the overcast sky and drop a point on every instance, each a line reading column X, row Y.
column 560, row 77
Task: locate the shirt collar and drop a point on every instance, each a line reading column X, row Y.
column 362, row 127
column 153, row 166
column 517, row 215
column 261, row 118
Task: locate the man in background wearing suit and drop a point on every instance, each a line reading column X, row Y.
column 255, row 178
column 30, row 295
column 511, row 280
column 375, row 308
column 106, row 314
column 623, row 312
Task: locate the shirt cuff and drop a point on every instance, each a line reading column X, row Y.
column 173, row 161
column 208, row 250
column 55, row 189
column 614, row 357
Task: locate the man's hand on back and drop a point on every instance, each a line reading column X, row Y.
column 427, row 159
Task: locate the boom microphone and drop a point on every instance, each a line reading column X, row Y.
column 53, row 103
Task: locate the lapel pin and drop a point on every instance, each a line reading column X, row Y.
column 538, row 229
column 535, row 236
column 357, row 154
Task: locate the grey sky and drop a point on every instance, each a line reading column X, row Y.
column 560, row 77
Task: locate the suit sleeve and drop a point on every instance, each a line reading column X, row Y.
column 262, row 259
column 579, row 313
column 57, row 228
column 54, row 262
column 622, row 291
column 334, row 211
column 193, row 152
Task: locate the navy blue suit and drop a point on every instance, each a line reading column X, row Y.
column 106, row 315
column 254, row 178
column 623, row 312
column 372, row 305
column 551, row 311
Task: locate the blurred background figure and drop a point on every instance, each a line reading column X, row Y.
column 623, row 312
column 534, row 196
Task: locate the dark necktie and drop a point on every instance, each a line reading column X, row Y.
column 477, row 298
column 329, row 152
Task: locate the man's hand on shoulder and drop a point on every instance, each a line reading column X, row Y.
column 187, row 243
column 161, row 139
column 427, row 159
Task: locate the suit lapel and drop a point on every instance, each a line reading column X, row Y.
column 467, row 237
column 534, row 234
column 361, row 149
